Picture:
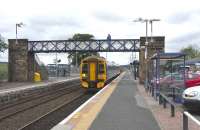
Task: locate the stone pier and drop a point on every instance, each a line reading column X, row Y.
column 157, row 44
column 18, row 60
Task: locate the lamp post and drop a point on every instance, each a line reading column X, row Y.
column 18, row 25
column 146, row 41
column 151, row 22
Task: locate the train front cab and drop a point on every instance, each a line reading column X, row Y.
column 93, row 73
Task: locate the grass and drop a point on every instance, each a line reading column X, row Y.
column 3, row 71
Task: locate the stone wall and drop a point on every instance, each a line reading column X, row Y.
column 17, row 62
column 157, row 44
column 21, row 62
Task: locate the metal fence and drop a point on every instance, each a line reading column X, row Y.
column 186, row 116
column 60, row 70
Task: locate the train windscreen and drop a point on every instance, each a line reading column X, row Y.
column 101, row 68
column 85, row 68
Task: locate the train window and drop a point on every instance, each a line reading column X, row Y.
column 101, row 68
column 85, row 68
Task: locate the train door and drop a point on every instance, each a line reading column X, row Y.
column 92, row 71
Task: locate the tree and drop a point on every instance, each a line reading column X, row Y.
column 3, row 45
column 78, row 56
column 82, row 37
column 191, row 51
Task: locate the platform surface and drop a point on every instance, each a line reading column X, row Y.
column 12, row 86
column 126, row 109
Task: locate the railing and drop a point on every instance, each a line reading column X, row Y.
column 187, row 115
column 175, row 91
column 164, row 100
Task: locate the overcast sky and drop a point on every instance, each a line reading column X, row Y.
column 60, row 19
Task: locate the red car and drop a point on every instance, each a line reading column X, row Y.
column 192, row 80
column 176, row 79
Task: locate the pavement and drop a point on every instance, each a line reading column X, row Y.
column 163, row 116
column 130, row 107
column 124, row 105
column 126, row 109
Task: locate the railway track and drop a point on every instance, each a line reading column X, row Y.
column 43, row 111
column 34, row 101
column 50, row 119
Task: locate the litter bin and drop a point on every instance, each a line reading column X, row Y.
column 37, row 77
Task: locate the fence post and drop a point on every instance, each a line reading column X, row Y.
column 149, row 89
column 164, row 103
column 172, row 111
column 173, row 91
column 152, row 94
column 160, row 99
column 185, row 122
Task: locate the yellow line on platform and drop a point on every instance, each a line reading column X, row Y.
column 83, row 119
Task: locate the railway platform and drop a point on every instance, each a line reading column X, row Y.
column 13, row 91
column 6, row 86
column 119, row 106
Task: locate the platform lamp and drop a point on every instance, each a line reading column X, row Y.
column 16, row 26
column 151, row 22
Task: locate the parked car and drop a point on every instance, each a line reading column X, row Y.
column 192, row 80
column 177, row 79
column 191, row 98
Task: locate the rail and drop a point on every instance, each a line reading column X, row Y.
column 164, row 100
column 43, row 118
column 187, row 115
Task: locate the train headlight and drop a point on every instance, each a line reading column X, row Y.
column 85, row 84
column 192, row 94
column 84, row 75
column 100, row 84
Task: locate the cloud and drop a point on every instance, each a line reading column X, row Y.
column 41, row 26
column 183, row 16
column 187, row 38
column 108, row 16
column 179, row 18
column 46, row 23
column 183, row 41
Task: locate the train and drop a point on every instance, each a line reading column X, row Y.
column 93, row 72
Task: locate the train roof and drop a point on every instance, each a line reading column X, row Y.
column 94, row 58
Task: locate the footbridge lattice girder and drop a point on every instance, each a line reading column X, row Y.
column 115, row 45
